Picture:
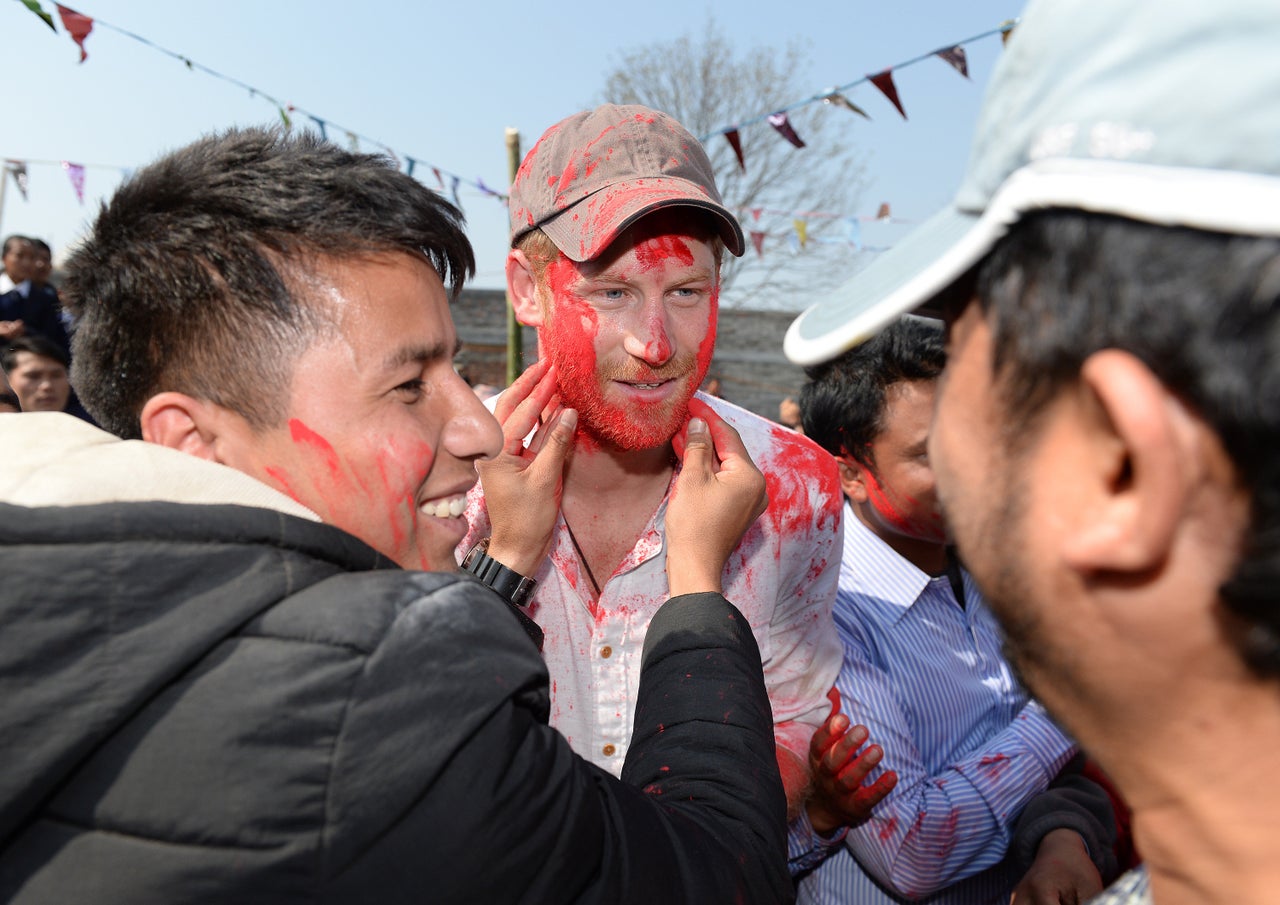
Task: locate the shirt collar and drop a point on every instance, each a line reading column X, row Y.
column 870, row 566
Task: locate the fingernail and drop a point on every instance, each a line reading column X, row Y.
column 697, row 426
column 569, row 419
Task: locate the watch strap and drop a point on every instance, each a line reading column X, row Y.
column 510, row 584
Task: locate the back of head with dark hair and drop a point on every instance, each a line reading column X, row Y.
column 36, row 345
column 192, row 278
column 1200, row 309
column 842, row 405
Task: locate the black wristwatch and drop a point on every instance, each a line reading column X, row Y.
column 510, row 584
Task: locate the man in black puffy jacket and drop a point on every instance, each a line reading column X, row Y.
column 234, row 668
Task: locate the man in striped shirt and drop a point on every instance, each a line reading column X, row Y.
column 923, row 670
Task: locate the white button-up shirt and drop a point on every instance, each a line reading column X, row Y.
column 782, row 576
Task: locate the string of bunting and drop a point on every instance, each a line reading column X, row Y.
column 954, row 55
column 79, row 26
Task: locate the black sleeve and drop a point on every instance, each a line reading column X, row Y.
column 448, row 786
column 1072, row 801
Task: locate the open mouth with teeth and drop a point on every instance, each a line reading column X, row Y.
column 451, row 508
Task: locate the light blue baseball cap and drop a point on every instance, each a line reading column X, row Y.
column 1164, row 111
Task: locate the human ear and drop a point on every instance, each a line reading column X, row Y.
column 1140, row 447
column 852, row 478
column 522, row 286
column 184, row 423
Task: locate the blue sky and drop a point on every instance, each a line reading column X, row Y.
column 442, row 81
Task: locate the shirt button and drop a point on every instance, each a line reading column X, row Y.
column 609, row 750
column 606, row 652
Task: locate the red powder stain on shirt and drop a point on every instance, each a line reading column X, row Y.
column 947, row 840
column 793, row 467
column 890, row 827
column 916, row 826
column 995, row 764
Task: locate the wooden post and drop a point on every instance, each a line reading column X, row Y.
column 515, row 339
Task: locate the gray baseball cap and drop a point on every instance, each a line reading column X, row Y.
column 595, row 173
column 1164, row 111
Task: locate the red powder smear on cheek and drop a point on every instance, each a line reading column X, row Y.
column 881, row 503
column 279, row 477
column 707, row 347
column 307, row 437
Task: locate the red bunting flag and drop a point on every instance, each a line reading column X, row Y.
column 757, row 241
column 779, row 121
column 18, row 170
column 78, row 26
column 840, row 100
column 756, row 212
column 439, row 178
column 883, row 212
column 735, row 142
column 884, row 81
column 75, row 172
column 956, row 57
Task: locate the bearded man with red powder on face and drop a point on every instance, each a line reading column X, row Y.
column 617, row 233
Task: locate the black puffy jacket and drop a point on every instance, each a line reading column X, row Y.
column 215, row 703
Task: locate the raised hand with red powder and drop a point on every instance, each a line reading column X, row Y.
column 523, row 484
column 839, row 766
column 717, row 496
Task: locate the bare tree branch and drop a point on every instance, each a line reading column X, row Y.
column 707, row 85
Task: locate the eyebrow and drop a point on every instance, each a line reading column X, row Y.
column 419, row 355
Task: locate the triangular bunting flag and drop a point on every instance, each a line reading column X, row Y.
column 735, row 141
column 484, row 188
column 839, row 100
column 884, row 81
column 1007, row 26
column 802, row 231
column 75, row 172
column 78, row 26
column 456, row 202
column 956, row 57
column 18, row 170
column 320, row 124
column 284, row 118
column 756, row 212
column 39, row 11
column 757, row 242
column 353, row 140
column 410, row 165
column 780, row 122
column 883, row 212
column 439, row 179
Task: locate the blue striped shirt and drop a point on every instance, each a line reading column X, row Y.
column 929, row 680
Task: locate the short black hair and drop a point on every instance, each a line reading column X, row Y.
column 189, row 280
column 842, row 405
column 35, row 345
column 1200, row 309
column 10, row 240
